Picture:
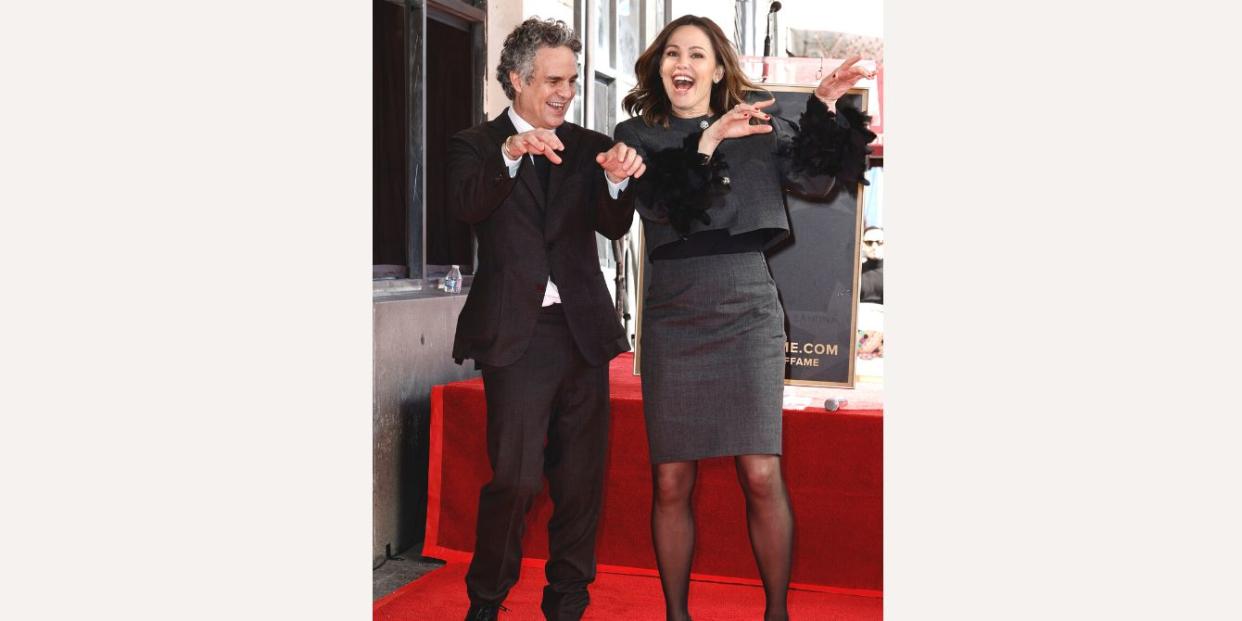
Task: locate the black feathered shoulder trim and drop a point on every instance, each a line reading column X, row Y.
column 833, row 144
column 683, row 182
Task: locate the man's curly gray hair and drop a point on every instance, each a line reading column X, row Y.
column 521, row 44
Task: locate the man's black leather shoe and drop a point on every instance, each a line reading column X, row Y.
column 563, row 606
column 550, row 606
column 482, row 612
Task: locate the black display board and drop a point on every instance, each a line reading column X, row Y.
column 816, row 270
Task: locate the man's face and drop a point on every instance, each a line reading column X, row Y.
column 554, row 82
column 873, row 244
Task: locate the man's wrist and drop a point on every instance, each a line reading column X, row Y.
column 509, row 152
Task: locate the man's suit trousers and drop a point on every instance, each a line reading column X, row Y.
column 547, row 414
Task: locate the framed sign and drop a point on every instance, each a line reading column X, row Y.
column 816, row 270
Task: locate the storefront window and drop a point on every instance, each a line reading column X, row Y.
column 629, row 33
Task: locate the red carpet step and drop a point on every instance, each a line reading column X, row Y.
column 833, row 464
column 441, row 596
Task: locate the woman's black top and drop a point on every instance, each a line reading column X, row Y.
column 712, row 242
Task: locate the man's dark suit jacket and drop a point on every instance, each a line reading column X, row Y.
column 524, row 236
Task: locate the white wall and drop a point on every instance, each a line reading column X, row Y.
column 864, row 17
column 556, row 9
column 502, row 18
column 719, row 11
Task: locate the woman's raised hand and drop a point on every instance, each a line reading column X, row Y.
column 736, row 123
column 842, row 79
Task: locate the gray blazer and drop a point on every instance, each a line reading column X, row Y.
column 758, row 173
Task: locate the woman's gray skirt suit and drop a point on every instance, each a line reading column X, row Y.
column 713, row 330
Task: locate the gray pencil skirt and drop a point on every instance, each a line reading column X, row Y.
column 713, row 358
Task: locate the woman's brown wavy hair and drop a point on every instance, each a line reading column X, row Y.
column 648, row 98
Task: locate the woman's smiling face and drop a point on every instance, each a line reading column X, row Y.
column 688, row 71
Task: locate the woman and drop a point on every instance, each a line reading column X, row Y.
column 713, row 328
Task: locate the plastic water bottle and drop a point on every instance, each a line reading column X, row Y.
column 452, row 282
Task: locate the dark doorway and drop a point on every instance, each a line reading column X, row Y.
column 389, row 152
column 450, row 109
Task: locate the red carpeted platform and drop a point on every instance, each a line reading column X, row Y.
column 440, row 596
column 833, row 463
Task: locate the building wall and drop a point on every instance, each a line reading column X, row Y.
column 502, row 18
column 413, row 342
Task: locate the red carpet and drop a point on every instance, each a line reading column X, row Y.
column 833, row 466
column 441, row 596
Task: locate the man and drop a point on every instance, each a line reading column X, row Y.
column 871, row 292
column 871, row 283
column 539, row 321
